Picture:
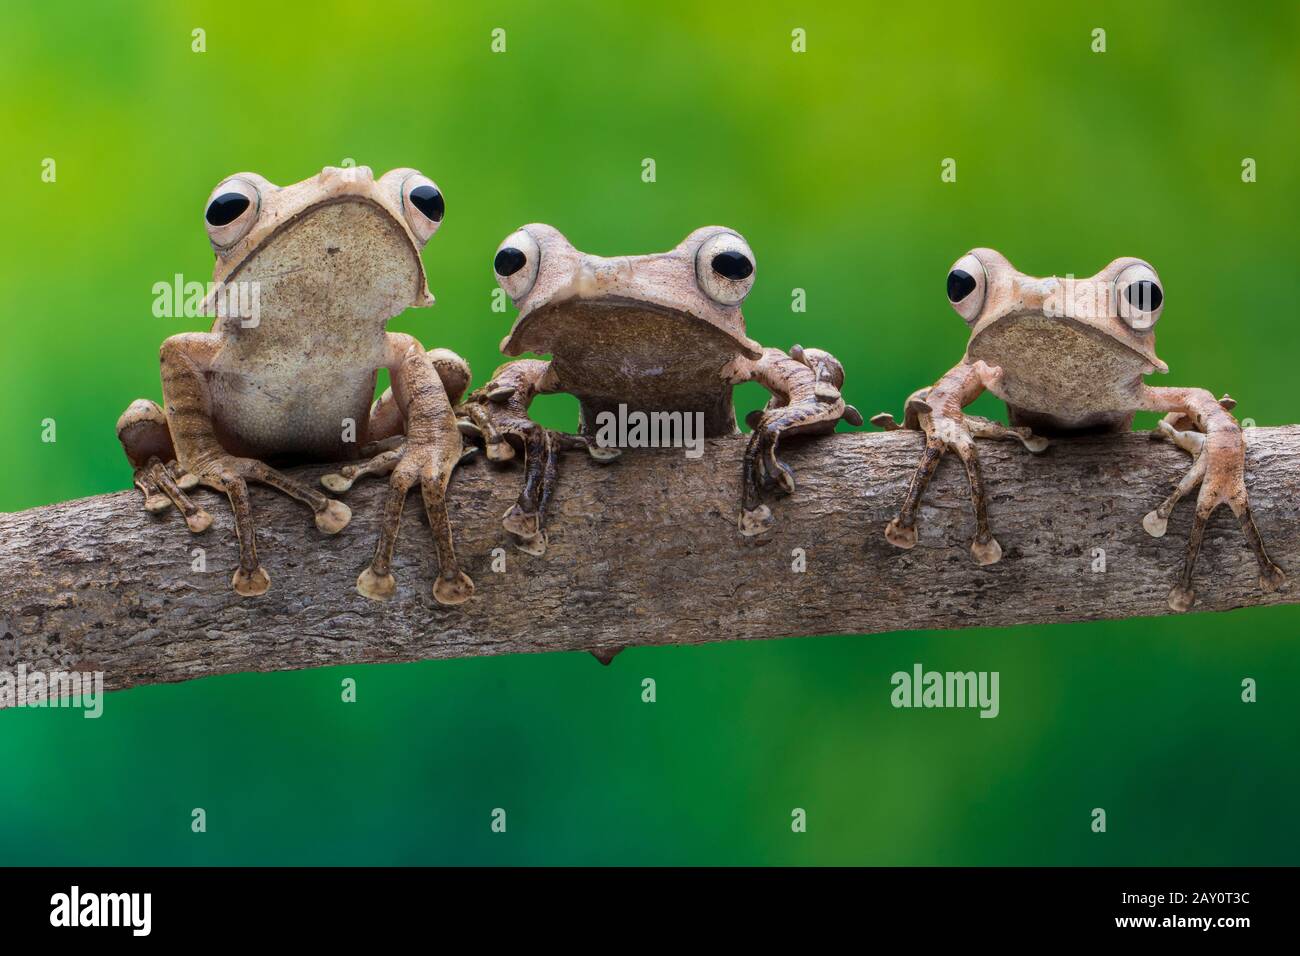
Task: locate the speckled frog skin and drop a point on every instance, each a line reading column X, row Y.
column 1068, row 356
column 324, row 263
column 654, row 333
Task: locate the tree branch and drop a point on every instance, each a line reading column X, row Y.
column 642, row 551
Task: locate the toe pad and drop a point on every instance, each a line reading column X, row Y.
column 520, row 523
column 1181, row 599
column 455, row 591
column 899, row 536
column 1274, row 580
column 755, row 522
column 251, row 585
column 535, row 545
column 376, row 587
column 336, row 483
column 334, row 518
column 199, row 521
column 986, row 552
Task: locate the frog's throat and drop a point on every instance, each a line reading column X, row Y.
column 524, row 335
column 1142, row 351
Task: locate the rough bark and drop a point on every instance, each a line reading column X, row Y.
column 643, row 551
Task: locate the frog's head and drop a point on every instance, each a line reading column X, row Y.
column 339, row 241
column 564, row 294
column 1106, row 322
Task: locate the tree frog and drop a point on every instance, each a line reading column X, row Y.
column 325, row 263
column 650, row 334
column 1068, row 357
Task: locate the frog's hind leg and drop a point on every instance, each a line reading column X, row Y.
column 189, row 423
column 987, row 428
column 230, row 474
column 142, row 430
column 911, row 422
column 386, row 428
column 526, row 519
column 343, row 479
column 498, row 414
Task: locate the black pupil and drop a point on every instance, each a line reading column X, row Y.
column 509, row 261
column 429, row 201
column 1144, row 295
column 733, row 265
column 226, row 208
column 960, row 284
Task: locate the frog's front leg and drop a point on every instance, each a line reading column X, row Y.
column 498, row 413
column 386, row 428
column 1218, row 451
column 203, row 460
column 938, row 412
column 806, row 399
column 418, row 403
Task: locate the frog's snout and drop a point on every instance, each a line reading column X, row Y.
column 1037, row 295
column 596, row 276
column 347, row 174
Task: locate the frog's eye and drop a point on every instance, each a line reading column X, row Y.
column 724, row 268
column 516, row 263
column 967, row 285
column 232, row 210
column 423, row 205
column 1140, row 296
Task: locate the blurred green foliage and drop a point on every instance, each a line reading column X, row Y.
column 828, row 162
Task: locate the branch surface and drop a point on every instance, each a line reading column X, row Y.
column 643, row 551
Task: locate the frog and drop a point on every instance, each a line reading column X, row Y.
column 1069, row 356
column 287, row 373
column 644, row 334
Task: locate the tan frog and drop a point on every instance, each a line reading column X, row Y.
column 1068, row 357
column 651, row 334
column 316, row 270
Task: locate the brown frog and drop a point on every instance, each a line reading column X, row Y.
column 647, row 334
column 1068, row 357
column 325, row 263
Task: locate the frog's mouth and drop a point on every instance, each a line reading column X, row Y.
column 623, row 325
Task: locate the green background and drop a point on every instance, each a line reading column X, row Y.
column 828, row 162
